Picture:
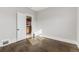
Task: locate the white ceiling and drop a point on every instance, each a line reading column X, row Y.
column 37, row 8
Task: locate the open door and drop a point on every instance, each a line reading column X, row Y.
column 21, row 26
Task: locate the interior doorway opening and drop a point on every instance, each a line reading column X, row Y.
column 28, row 26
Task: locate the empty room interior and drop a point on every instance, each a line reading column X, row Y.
column 39, row 29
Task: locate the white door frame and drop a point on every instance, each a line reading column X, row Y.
column 26, row 14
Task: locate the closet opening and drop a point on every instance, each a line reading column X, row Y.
column 28, row 26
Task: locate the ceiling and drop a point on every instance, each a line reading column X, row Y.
column 37, row 8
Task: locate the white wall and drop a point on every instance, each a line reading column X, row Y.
column 62, row 21
column 78, row 24
column 58, row 22
column 8, row 22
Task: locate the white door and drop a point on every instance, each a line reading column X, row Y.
column 21, row 26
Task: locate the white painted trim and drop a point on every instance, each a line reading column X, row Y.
column 53, row 37
column 10, row 41
column 62, row 39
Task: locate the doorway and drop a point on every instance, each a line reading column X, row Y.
column 24, row 26
column 28, row 26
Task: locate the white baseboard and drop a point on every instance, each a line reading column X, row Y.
column 62, row 39
column 53, row 37
column 9, row 40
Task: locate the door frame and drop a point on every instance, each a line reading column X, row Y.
column 26, row 14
